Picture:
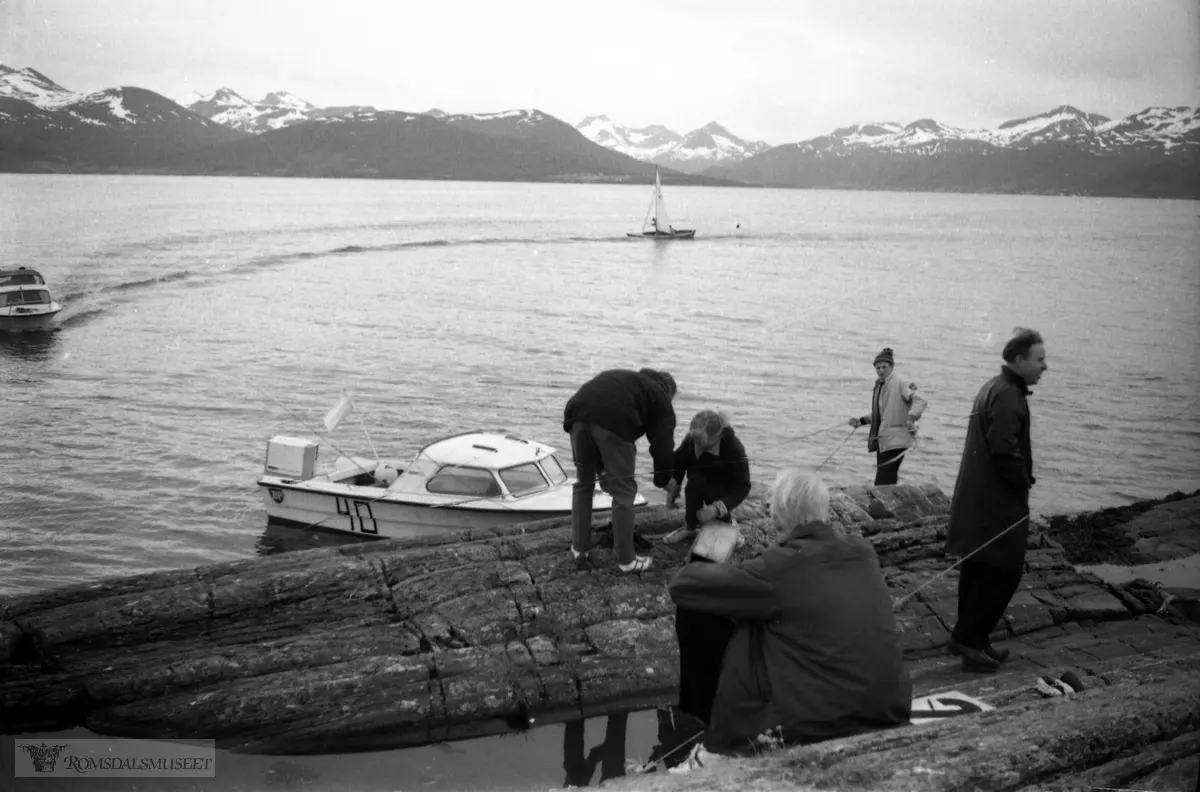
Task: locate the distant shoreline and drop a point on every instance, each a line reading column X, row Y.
column 692, row 181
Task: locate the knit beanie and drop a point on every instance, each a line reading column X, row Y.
column 885, row 357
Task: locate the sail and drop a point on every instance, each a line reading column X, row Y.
column 663, row 220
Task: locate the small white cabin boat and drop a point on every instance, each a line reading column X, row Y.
column 473, row 480
column 25, row 301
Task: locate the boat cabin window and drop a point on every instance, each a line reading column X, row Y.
column 21, row 279
column 554, row 470
column 471, row 482
column 523, row 478
column 28, row 296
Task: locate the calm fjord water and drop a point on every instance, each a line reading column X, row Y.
column 205, row 315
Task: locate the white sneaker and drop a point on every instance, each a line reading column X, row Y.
column 638, row 564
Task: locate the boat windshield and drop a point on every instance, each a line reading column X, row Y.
column 523, row 478
column 554, row 470
column 27, row 296
column 468, row 481
column 21, row 279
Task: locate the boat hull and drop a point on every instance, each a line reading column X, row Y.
column 372, row 512
column 665, row 237
column 27, row 322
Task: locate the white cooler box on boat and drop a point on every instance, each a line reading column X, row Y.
column 291, row 457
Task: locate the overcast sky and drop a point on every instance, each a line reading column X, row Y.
column 776, row 71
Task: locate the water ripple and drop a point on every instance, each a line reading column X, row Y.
column 136, row 430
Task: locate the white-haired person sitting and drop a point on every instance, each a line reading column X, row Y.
column 816, row 652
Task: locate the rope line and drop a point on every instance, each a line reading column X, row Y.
column 839, row 448
column 1058, row 495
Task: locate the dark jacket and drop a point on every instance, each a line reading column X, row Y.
column 726, row 473
column 629, row 405
column 994, row 477
column 816, row 650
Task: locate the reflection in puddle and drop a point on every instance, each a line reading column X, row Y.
column 1181, row 572
column 581, row 753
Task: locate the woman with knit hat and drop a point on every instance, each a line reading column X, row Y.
column 895, row 408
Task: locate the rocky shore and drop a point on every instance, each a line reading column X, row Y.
column 404, row 642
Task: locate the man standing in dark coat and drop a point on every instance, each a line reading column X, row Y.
column 989, row 513
column 605, row 418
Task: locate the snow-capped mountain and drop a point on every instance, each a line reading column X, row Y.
column 34, row 87
column 1152, row 153
column 510, row 123
column 1060, row 124
column 1169, row 127
column 1155, row 127
column 276, row 110
column 114, row 128
column 644, row 144
column 711, row 144
column 516, row 145
column 45, row 127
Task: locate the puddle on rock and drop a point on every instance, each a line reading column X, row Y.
column 1181, row 572
column 579, row 753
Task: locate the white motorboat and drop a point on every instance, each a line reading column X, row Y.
column 473, row 480
column 25, row 301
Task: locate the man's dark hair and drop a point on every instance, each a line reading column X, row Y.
column 1019, row 344
column 664, row 380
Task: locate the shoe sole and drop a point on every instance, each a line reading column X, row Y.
column 977, row 668
column 973, row 665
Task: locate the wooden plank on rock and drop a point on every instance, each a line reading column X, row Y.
column 340, row 699
column 31, row 700
column 157, row 670
column 126, row 619
column 21, row 604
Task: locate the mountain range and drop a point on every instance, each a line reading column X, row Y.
column 45, row 127
column 275, row 111
column 1152, row 153
column 695, row 152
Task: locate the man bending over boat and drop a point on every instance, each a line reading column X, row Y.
column 816, row 653
column 605, row 418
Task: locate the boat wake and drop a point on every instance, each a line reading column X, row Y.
column 71, row 319
column 232, row 265
column 74, row 296
column 348, row 250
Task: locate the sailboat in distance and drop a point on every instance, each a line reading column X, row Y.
column 657, row 224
